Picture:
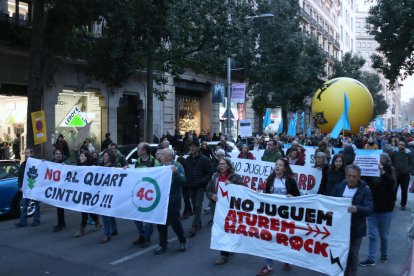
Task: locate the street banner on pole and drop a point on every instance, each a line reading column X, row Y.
column 136, row 194
column 39, row 127
column 238, row 92
column 218, row 93
column 255, row 173
column 310, row 231
column 245, row 128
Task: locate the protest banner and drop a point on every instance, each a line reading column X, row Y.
column 255, row 173
column 136, row 194
column 369, row 164
column 311, row 231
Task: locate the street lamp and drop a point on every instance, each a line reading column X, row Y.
column 263, row 15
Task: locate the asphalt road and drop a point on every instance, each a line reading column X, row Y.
column 38, row 251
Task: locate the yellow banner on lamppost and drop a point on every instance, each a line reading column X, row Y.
column 39, row 127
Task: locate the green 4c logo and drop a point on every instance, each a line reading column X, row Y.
column 31, row 177
column 146, row 194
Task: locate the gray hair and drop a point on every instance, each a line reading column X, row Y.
column 220, row 152
column 354, row 167
column 169, row 151
column 387, row 157
column 323, row 155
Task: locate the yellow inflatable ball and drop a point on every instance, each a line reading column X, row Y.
column 328, row 104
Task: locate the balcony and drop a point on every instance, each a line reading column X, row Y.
column 319, row 28
column 306, row 16
column 336, row 44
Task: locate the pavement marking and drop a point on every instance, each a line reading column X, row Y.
column 139, row 253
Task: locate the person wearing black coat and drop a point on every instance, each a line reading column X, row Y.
column 333, row 176
column 379, row 221
column 362, row 206
column 281, row 182
column 198, row 172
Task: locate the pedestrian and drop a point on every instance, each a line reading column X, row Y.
column 86, row 159
column 16, row 147
column 88, row 144
column 272, row 153
column 206, row 151
column 282, row 182
column 25, row 201
column 334, row 176
column 362, row 206
column 120, row 158
column 105, row 143
column 225, row 175
column 323, row 147
column 62, row 146
column 198, row 172
column 379, row 221
column 109, row 223
column 245, row 153
column 59, row 157
column 403, row 163
column 348, row 154
column 145, row 160
column 174, row 204
column 371, row 145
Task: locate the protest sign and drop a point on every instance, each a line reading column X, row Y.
column 369, row 164
column 137, row 194
column 255, row 173
column 310, row 231
column 245, row 128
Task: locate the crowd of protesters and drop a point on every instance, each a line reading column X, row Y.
column 199, row 174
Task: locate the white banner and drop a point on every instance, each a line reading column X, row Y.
column 255, row 173
column 137, row 194
column 245, row 128
column 311, row 231
column 369, row 164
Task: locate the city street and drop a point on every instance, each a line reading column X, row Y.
column 39, row 251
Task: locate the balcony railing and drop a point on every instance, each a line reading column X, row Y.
column 306, row 15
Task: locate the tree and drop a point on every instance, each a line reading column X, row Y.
column 288, row 62
column 351, row 67
column 390, row 22
column 159, row 37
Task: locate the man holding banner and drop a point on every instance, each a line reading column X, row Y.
column 362, row 206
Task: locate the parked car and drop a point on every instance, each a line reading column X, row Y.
column 10, row 196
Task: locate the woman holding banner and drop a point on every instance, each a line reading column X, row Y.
column 335, row 175
column 110, row 228
column 225, row 175
column 86, row 159
column 282, row 182
column 58, row 157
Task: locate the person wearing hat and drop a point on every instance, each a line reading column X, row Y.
column 198, row 171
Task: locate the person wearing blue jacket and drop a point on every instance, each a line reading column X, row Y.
column 362, row 206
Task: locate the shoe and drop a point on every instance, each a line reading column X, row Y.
column 287, row 267
column 145, row 243
column 402, row 208
column 97, row 227
column 35, row 223
column 211, row 222
column 192, row 232
column 139, row 241
column 183, row 245
column 80, row 232
column 367, row 262
column 59, row 227
column 114, row 233
column 220, row 261
column 159, row 250
column 19, row 225
column 264, row 271
column 105, row 240
column 384, row 259
column 184, row 216
column 207, row 210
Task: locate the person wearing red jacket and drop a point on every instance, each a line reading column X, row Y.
column 245, row 153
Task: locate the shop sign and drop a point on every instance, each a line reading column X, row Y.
column 75, row 118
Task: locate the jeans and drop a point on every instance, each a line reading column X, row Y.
column 187, row 203
column 352, row 263
column 403, row 180
column 145, row 229
column 23, row 215
column 109, row 225
column 173, row 219
column 378, row 223
column 197, row 197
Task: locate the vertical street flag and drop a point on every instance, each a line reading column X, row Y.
column 309, row 132
column 379, row 124
column 343, row 121
column 280, row 130
column 238, row 92
column 39, row 127
column 303, row 122
column 294, row 125
column 266, row 119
